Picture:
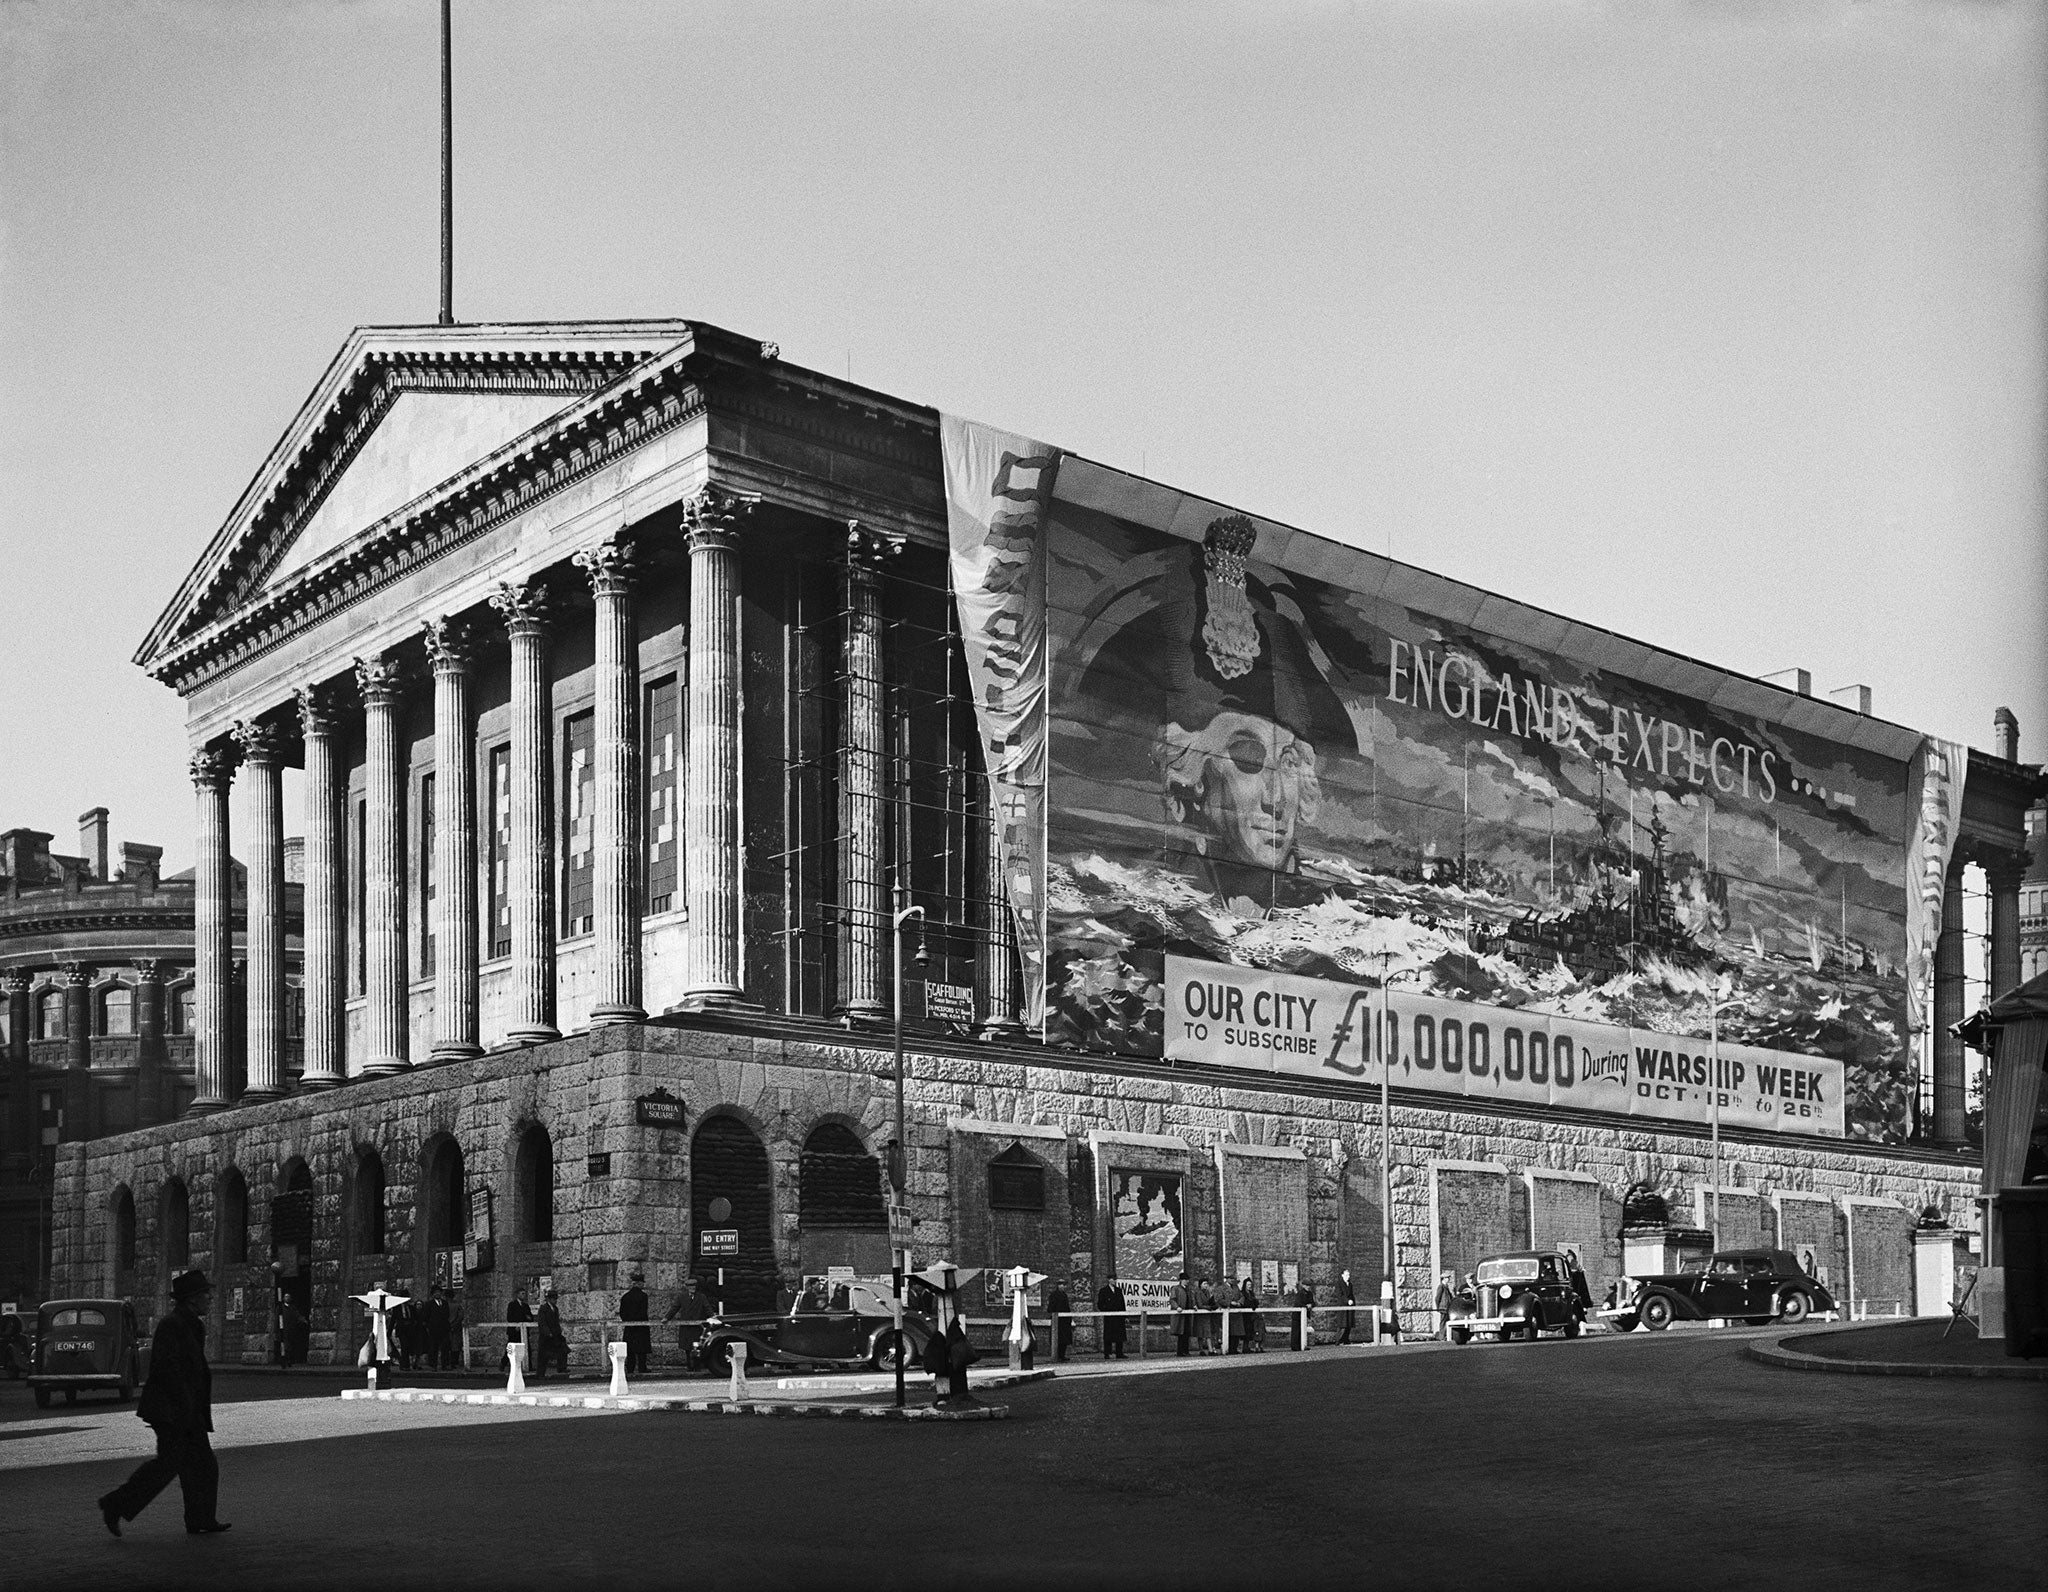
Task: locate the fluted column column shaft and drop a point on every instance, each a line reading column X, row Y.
column 712, row 965
column 998, row 977
column 530, row 881
column 212, row 933
column 20, row 1080
column 455, row 923
column 262, row 750
column 386, row 1019
column 2003, row 880
column 323, row 898
column 864, row 903
column 615, row 829
column 1948, row 1011
column 149, row 1042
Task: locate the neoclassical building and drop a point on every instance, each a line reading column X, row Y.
column 626, row 673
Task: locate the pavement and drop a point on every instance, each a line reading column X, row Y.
column 1669, row 1458
column 1924, row 1346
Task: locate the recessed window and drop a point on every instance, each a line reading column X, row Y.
column 117, row 1010
column 1016, row 1181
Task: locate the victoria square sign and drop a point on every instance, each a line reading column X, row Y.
column 1270, row 803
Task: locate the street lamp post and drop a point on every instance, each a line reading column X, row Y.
column 1387, row 1290
column 1720, row 988
column 899, row 1160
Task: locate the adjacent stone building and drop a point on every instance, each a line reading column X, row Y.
column 623, row 666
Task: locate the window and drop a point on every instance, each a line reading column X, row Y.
column 50, row 1015
column 425, row 874
column 579, row 825
column 50, row 1115
column 501, row 851
column 1016, row 1181
column 6, row 1023
column 359, row 896
column 663, row 739
column 117, row 1010
column 295, row 1011
column 184, row 1010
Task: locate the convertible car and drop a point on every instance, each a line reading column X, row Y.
column 850, row 1328
column 1758, row 1286
column 1527, row 1292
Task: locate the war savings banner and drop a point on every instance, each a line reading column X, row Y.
column 1301, row 772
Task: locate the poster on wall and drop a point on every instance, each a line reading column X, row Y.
column 1272, row 752
column 1145, row 1228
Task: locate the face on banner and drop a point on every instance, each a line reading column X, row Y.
column 1263, row 768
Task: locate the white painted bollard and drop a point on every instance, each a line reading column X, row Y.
column 738, row 1353
column 373, row 1376
column 515, row 1357
column 618, row 1353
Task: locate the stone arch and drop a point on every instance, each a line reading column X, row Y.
column 732, row 1190
column 533, row 1184
column 366, row 1227
column 231, row 1203
column 173, row 1231
column 50, row 1016
column 842, row 1214
column 113, row 1007
column 441, row 1215
column 121, row 1242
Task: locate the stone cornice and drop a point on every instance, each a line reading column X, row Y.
column 641, row 408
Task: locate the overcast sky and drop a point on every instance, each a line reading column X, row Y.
column 1720, row 325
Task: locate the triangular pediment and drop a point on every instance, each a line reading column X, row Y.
column 400, row 415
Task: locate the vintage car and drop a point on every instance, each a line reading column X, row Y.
column 1524, row 1293
column 1758, row 1286
column 847, row 1328
column 84, row 1344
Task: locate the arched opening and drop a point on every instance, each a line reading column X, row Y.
column 732, row 1212
column 841, row 1217
column 291, row 1260
column 444, row 1202
column 533, row 1187
column 50, row 1015
column 234, row 1218
column 117, row 1010
column 121, row 1244
column 174, row 1230
column 367, row 1224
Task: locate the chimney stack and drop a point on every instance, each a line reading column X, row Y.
column 2005, row 734
column 92, row 840
column 1856, row 697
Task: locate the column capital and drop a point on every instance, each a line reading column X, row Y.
column 2004, row 872
column 609, row 566
column 258, row 742
column 523, row 606
column 381, row 680
column 867, row 549
column 149, row 969
column 451, row 646
column 77, row 975
column 17, row 981
column 319, row 711
column 212, row 768
column 712, row 518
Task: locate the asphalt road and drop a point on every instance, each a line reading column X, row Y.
column 1644, row 1462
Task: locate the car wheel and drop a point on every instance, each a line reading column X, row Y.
column 121, row 1393
column 1794, row 1308
column 42, row 1398
column 889, row 1349
column 1656, row 1313
column 1461, row 1335
column 1571, row 1326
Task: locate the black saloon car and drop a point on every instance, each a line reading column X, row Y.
column 83, row 1345
column 1523, row 1293
column 1758, row 1286
column 850, row 1329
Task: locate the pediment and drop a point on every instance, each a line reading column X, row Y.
column 400, row 414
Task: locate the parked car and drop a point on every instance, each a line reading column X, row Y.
column 1758, row 1286
column 84, row 1344
column 852, row 1327
column 14, row 1347
column 1523, row 1293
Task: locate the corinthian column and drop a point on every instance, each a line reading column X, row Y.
column 455, row 927
column 615, row 870
column 262, row 748
column 712, row 803
column 864, row 922
column 325, row 930
column 20, row 1081
column 213, row 932
column 531, row 881
column 998, row 978
column 2003, row 879
column 1949, row 1098
column 386, row 1019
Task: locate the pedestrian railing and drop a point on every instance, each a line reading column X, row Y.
column 1295, row 1321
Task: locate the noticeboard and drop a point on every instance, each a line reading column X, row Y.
column 949, row 1003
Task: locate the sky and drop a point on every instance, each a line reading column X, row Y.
column 1720, row 325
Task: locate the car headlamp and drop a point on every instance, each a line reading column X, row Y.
column 1506, row 1293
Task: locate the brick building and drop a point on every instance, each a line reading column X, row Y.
column 625, row 665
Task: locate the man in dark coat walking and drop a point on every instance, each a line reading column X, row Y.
column 1111, row 1297
column 177, row 1401
column 633, row 1307
column 1347, row 1296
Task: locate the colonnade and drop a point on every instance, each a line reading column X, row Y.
column 2003, row 874
column 713, row 959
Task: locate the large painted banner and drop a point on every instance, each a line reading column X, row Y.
column 1271, row 753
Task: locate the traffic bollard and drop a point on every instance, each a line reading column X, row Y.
column 618, row 1353
column 515, row 1358
column 738, row 1352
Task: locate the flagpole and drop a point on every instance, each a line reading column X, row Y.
column 447, row 170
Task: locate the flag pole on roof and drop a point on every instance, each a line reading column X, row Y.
column 447, row 173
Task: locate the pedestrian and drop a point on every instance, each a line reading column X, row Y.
column 1446, row 1296
column 1211, row 1322
column 1299, row 1300
column 294, row 1330
column 1183, row 1302
column 440, row 1357
column 177, row 1402
column 1062, row 1323
column 1347, row 1296
column 1254, row 1336
column 405, row 1333
column 554, row 1343
column 1109, row 1297
column 692, row 1308
column 632, row 1308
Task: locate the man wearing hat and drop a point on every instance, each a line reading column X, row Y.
column 632, row 1308
column 177, row 1401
